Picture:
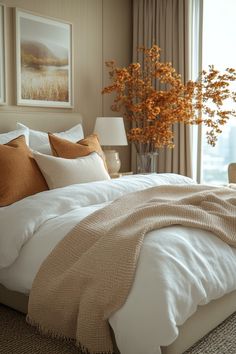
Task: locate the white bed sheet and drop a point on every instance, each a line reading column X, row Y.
column 179, row 268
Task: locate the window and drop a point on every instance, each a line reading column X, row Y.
column 219, row 33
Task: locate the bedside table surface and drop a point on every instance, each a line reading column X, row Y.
column 120, row 174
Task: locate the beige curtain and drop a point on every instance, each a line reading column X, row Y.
column 167, row 24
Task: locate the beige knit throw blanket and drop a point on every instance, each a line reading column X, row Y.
column 89, row 274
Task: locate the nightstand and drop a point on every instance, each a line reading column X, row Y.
column 120, row 174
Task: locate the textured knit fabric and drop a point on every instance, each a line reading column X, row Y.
column 89, row 274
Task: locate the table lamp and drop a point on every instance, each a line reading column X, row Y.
column 111, row 132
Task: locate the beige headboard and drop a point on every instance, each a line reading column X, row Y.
column 45, row 121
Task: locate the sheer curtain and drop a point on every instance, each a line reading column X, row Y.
column 169, row 24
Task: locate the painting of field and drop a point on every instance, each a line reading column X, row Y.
column 44, row 76
column 45, row 69
column 44, row 84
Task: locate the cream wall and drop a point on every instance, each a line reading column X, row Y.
column 101, row 31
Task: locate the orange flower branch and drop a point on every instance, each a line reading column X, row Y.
column 153, row 112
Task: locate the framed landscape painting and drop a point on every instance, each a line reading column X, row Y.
column 2, row 56
column 43, row 61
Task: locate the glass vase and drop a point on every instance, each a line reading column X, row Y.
column 147, row 162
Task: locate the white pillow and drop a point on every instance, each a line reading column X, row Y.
column 60, row 172
column 6, row 137
column 39, row 140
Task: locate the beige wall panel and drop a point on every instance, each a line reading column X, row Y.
column 89, row 61
column 117, row 45
column 101, row 30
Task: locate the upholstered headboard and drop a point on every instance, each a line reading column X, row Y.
column 45, row 121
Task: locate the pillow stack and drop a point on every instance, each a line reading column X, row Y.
column 73, row 163
column 29, row 170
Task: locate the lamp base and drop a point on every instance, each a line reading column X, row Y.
column 112, row 161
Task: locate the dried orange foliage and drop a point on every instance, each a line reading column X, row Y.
column 154, row 111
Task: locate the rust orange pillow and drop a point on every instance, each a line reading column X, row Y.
column 68, row 150
column 20, row 175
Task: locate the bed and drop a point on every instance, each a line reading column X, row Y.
column 55, row 212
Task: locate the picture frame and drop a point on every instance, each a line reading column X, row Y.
column 2, row 54
column 43, row 61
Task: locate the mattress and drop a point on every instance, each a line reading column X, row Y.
column 206, row 318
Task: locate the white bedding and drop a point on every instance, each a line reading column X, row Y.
column 179, row 268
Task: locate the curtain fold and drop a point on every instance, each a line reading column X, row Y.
column 167, row 23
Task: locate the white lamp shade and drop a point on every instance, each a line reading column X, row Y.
column 110, row 131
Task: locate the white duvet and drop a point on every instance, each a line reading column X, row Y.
column 179, row 267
